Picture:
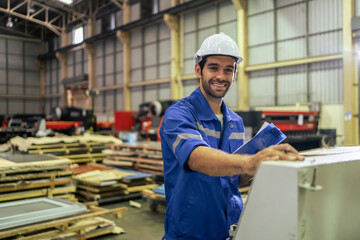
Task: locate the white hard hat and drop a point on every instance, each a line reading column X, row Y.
column 218, row 44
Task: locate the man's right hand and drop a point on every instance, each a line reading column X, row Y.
column 281, row 152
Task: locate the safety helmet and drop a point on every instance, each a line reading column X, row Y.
column 218, row 44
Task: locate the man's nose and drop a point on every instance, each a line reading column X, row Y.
column 221, row 74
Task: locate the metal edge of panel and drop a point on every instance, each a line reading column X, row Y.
column 65, row 208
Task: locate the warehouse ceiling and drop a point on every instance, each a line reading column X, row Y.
column 41, row 18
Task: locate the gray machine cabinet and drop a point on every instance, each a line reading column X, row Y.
column 311, row 200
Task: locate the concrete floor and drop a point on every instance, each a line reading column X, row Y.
column 138, row 223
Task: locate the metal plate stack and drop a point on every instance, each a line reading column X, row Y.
column 141, row 156
column 104, row 184
column 33, row 175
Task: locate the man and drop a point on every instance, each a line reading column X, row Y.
column 197, row 134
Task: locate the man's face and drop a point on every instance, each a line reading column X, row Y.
column 217, row 76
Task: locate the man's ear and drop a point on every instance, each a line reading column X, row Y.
column 234, row 76
column 198, row 70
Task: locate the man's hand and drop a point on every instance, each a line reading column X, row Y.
column 280, row 152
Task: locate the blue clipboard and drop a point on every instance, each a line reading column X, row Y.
column 268, row 135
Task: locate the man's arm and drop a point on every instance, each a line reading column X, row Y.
column 214, row 162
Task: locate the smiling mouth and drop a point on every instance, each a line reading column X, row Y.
column 219, row 84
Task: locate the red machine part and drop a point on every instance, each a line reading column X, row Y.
column 124, row 120
column 62, row 125
column 293, row 120
column 104, row 125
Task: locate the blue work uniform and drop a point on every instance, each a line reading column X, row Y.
column 198, row 206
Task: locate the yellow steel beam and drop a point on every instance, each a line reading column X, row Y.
column 31, row 17
column 125, row 39
column 63, row 61
column 41, row 66
column 293, row 62
column 350, row 77
column 243, row 86
column 117, row 3
column 90, row 48
column 176, row 84
column 150, row 82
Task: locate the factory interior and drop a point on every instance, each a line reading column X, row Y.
column 85, row 85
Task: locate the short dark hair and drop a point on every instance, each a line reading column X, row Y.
column 202, row 63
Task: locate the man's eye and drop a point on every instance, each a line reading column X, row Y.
column 229, row 70
column 213, row 68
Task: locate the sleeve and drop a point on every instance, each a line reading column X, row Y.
column 180, row 134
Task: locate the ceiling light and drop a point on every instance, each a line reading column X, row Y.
column 9, row 23
column 66, row 1
column 31, row 8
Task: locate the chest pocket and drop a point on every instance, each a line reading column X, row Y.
column 233, row 142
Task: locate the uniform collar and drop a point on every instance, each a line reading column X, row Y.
column 203, row 108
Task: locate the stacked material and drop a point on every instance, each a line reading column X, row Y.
column 53, row 218
column 141, row 156
column 33, row 175
column 103, row 184
column 155, row 197
column 79, row 149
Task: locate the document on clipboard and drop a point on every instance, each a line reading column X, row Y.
column 268, row 135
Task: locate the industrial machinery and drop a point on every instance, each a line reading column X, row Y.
column 68, row 119
column 300, row 127
column 150, row 117
column 314, row 199
column 24, row 125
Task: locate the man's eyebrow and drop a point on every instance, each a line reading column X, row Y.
column 216, row 64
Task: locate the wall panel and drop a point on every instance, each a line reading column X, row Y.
column 136, row 98
column 14, row 46
column 326, row 85
column 189, row 86
column 2, row 45
column 231, row 98
column 292, row 49
column 16, row 106
column 32, row 106
column 164, row 91
column 3, row 106
column 151, row 93
column 207, row 17
column 292, row 85
column 119, row 100
column 262, row 88
column 258, row 6
column 261, row 29
column 291, row 21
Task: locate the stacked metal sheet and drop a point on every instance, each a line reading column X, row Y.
column 141, row 156
column 53, row 218
column 79, row 149
column 33, row 175
column 103, row 184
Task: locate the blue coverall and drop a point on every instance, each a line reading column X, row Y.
column 198, row 206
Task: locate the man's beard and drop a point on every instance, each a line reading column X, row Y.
column 215, row 94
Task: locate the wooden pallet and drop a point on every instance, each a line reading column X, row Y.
column 77, row 227
column 85, row 158
column 33, row 184
column 136, row 163
column 42, row 192
column 51, row 174
column 64, row 145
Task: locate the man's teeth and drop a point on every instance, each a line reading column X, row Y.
column 219, row 85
